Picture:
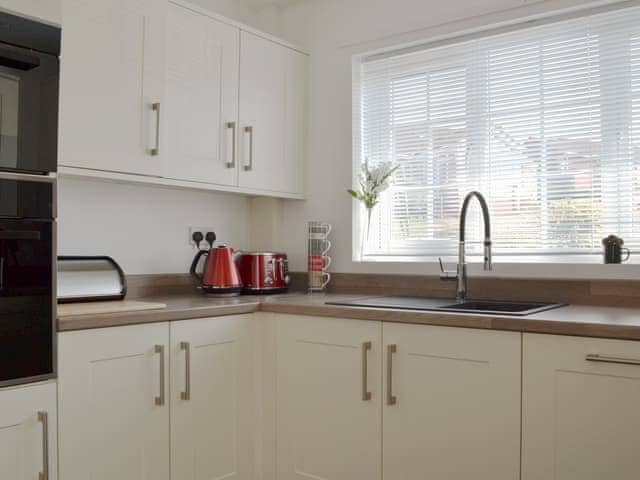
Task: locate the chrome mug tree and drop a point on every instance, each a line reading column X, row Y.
column 318, row 258
column 373, row 181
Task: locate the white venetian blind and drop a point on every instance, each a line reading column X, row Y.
column 545, row 121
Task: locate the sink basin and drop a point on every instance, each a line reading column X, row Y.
column 502, row 308
column 488, row 307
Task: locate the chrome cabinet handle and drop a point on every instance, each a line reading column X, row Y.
column 186, row 395
column 249, row 167
column 391, row 398
column 156, row 150
column 366, row 394
column 43, row 417
column 160, row 399
column 594, row 357
column 232, row 126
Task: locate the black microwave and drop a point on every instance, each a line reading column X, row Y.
column 29, row 84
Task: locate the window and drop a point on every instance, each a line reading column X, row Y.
column 544, row 120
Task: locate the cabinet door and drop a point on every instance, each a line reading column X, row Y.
column 202, row 98
column 580, row 416
column 27, row 414
column 273, row 110
column 454, row 410
column 212, row 399
column 112, row 75
column 326, row 427
column 113, row 408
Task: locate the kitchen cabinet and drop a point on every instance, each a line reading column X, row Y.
column 328, row 398
column 28, row 432
column 273, row 98
column 113, row 403
column 452, row 403
column 212, row 394
column 436, row 395
column 43, row 10
column 123, row 416
column 201, row 98
column 580, row 408
column 112, row 85
column 167, row 93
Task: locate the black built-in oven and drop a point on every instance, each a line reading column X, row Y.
column 29, row 78
column 27, row 278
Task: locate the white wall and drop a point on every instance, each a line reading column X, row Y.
column 145, row 228
column 49, row 11
column 333, row 31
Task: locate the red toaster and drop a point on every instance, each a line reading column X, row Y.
column 263, row 272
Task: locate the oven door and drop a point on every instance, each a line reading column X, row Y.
column 29, row 83
column 26, row 300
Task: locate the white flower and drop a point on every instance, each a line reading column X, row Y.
column 373, row 181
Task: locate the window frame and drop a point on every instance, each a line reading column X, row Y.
column 402, row 251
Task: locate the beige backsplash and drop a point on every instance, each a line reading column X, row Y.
column 587, row 292
column 623, row 293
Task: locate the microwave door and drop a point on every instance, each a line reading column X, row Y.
column 28, row 110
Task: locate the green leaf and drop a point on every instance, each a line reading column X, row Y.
column 353, row 193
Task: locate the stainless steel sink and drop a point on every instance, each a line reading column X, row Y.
column 501, row 308
column 487, row 307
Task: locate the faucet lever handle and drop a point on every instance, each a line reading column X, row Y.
column 446, row 274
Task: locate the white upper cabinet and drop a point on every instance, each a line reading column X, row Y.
column 112, row 85
column 273, row 96
column 580, row 408
column 46, row 10
column 452, row 403
column 201, row 98
column 28, row 434
column 161, row 92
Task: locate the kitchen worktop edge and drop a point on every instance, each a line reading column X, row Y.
column 578, row 320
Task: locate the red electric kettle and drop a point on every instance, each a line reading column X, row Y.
column 220, row 274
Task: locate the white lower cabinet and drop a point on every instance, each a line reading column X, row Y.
column 212, row 394
column 113, row 403
column 446, row 405
column 288, row 397
column 452, row 403
column 327, row 428
column 124, row 416
column 28, row 432
column 581, row 417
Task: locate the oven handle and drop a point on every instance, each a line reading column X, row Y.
column 17, row 60
column 19, row 235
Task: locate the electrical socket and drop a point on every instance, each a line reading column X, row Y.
column 202, row 230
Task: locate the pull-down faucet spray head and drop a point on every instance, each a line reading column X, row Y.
column 488, row 265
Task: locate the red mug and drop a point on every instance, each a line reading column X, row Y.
column 319, row 263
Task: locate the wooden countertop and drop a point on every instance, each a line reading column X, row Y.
column 579, row 320
column 178, row 307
